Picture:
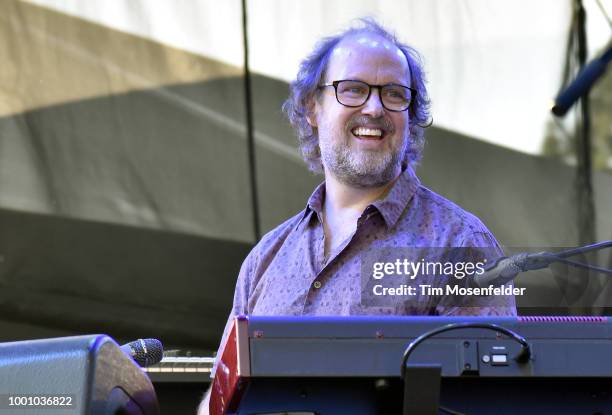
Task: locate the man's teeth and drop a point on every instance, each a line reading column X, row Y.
column 362, row 131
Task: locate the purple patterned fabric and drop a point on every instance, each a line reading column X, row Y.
column 286, row 272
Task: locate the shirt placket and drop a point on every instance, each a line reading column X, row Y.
column 324, row 267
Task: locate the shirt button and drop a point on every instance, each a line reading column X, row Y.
column 317, row 284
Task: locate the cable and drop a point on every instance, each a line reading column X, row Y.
column 584, row 249
column 522, row 357
column 603, row 11
column 450, row 411
column 581, row 265
column 562, row 256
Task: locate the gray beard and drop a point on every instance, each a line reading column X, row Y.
column 361, row 170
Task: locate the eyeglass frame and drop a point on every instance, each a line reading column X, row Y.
column 370, row 86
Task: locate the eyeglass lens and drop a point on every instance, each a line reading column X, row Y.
column 355, row 93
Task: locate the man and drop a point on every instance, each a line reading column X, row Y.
column 359, row 105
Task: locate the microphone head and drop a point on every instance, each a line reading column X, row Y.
column 581, row 85
column 146, row 352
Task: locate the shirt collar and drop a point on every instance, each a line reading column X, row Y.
column 394, row 203
column 390, row 207
column 315, row 203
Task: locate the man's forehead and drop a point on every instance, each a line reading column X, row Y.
column 365, row 41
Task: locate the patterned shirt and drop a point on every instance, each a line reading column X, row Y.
column 287, row 273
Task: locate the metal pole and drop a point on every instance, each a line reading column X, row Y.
column 584, row 173
column 249, row 126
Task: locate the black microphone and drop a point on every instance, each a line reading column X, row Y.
column 145, row 352
column 582, row 84
column 505, row 269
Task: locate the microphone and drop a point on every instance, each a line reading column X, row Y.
column 505, row 269
column 582, row 84
column 145, row 352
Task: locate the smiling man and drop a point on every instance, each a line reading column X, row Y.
column 359, row 106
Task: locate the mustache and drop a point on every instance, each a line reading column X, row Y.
column 363, row 120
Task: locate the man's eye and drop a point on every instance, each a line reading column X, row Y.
column 354, row 90
column 393, row 93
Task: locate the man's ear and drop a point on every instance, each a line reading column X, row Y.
column 311, row 112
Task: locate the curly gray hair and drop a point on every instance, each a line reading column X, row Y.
column 304, row 88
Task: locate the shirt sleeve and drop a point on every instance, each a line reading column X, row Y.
column 476, row 247
column 240, row 304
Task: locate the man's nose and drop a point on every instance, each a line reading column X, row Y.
column 373, row 106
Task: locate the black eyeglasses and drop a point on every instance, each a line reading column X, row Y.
column 351, row 93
